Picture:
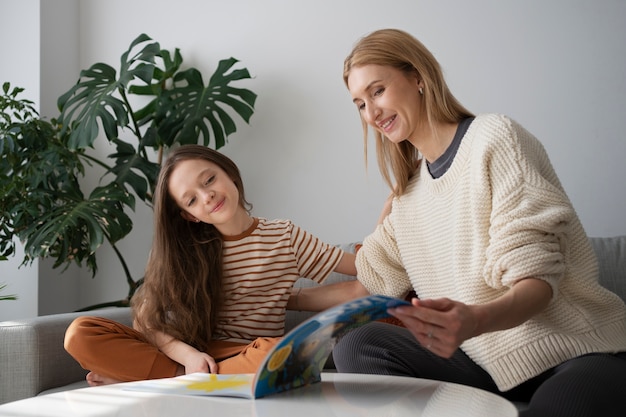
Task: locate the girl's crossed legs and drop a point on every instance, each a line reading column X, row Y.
column 113, row 352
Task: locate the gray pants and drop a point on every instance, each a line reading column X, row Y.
column 590, row 385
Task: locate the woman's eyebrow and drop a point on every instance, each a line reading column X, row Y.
column 367, row 87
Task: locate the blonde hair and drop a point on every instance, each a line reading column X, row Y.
column 400, row 50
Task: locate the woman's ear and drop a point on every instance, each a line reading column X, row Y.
column 188, row 217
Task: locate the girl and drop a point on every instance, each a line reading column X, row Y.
column 217, row 282
column 480, row 227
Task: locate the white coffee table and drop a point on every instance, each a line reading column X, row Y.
column 342, row 395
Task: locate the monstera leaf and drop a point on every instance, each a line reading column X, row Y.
column 100, row 95
column 73, row 228
column 128, row 165
column 191, row 110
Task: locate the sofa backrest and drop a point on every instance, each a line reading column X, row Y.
column 611, row 253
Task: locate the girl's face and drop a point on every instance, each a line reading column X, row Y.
column 388, row 100
column 205, row 193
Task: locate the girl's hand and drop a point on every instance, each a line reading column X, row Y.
column 440, row 325
column 197, row 361
column 191, row 359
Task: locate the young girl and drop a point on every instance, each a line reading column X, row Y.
column 217, row 282
column 481, row 229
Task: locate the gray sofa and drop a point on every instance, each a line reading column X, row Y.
column 33, row 361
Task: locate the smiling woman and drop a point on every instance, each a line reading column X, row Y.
column 480, row 227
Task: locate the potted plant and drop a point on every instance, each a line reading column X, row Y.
column 42, row 200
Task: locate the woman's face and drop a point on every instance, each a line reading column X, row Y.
column 205, row 192
column 388, row 100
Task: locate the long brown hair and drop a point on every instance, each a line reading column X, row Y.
column 182, row 291
column 398, row 49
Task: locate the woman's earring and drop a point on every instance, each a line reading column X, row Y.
column 421, row 91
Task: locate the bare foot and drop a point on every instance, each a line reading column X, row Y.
column 95, row 380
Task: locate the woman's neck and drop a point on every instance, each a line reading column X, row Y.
column 432, row 143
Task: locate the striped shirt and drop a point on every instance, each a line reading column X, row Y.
column 260, row 267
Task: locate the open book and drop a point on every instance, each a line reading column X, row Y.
column 297, row 360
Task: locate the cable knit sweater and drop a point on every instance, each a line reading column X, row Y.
column 498, row 215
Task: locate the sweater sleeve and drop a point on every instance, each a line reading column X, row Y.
column 531, row 215
column 379, row 266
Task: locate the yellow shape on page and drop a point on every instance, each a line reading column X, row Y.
column 279, row 357
column 215, row 383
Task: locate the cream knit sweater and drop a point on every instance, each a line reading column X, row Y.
column 498, row 215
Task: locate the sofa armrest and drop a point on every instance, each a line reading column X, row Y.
column 32, row 357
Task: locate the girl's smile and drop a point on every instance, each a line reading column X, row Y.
column 218, row 206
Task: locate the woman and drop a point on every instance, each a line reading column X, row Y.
column 481, row 229
column 217, row 283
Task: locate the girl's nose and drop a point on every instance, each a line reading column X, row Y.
column 209, row 195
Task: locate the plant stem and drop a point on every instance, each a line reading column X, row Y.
column 132, row 284
column 135, row 129
column 96, row 160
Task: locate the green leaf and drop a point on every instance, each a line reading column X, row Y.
column 128, row 164
column 100, row 96
column 193, row 113
column 75, row 228
column 3, row 286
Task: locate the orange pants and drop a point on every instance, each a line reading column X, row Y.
column 120, row 352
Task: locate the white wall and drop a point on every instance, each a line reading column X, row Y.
column 555, row 66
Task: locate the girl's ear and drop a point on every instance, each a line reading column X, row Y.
column 188, row 217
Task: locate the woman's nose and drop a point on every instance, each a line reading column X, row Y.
column 372, row 112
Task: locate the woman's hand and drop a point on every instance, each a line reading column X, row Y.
column 440, row 325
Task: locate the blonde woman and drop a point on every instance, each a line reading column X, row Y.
column 481, row 229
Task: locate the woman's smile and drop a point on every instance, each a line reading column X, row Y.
column 386, row 124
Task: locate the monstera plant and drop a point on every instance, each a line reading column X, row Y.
column 43, row 201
